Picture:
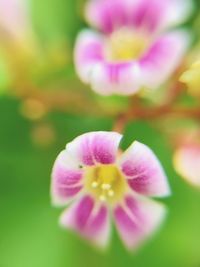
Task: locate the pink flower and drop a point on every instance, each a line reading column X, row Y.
column 187, row 162
column 100, row 183
column 132, row 49
column 14, row 17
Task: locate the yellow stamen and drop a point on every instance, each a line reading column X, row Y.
column 105, row 186
column 111, row 193
column 106, row 183
column 125, row 44
column 102, row 198
column 95, row 184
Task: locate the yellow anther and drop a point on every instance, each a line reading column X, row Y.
column 105, row 186
column 105, row 183
column 124, row 44
column 111, row 193
column 94, row 184
column 102, row 198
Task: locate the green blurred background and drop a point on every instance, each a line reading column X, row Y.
column 29, row 231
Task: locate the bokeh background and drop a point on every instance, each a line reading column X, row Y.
column 43, row 105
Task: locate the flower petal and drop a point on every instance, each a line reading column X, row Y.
column 95, row 147
column 90, row 221
column 66, row 179
column 137, row 219
column 116, row 78
column 108, row 15
column 191, row 77
column 88, row 52
column 14, row 16
column 156, row 15
column 187, row 163
column 104, row 77
column 153, row 15
column 143, row 170
column 163, row 58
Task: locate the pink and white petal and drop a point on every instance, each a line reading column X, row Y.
column 163, row 58
column 108, row 15
column 151, row 15
column 116, row 78
column 155, row 15
column 143, row 170
column 90, row 220
column 187, row 163
column 14, row 17
column 95, row 147
column 178, row 11
column 66, row 179
column 88, row 51
column 137, row 219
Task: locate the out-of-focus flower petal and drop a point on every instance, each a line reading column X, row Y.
column 137, row 219
column 125, row 78
column 89, row 220
column 191, row 78
column 14, row 16
column 187, row 163
column 95, row 147
column 163, row 58
column 153, row 15
column 178, row 12
column 116, row 78
column 88, row 52
column 108, row 15
column 143, row 170
column 105, row 78
column 156, row 15
column 66, row 179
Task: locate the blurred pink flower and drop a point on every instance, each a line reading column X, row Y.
column 187, row 162
column 133, row 49
column 14, row 17
column 100, row 182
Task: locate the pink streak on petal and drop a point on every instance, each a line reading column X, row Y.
column 86, row 152
column 90, row 221
column 98, row 220
column 143, row 170
column 148, row 15
column 137, row 220
column 116, row 78
column 149, row 213
column 67, row 177
column 83, row 212
column 102, row 151
column 151, row 15
column 156, row 16
column 125, row 222
column 68, row 192
column 88, row 51
column 66, row 180
column 103, row 147
column 115, row 70
column 163, row 58
column 95, row 147
column 108, row 15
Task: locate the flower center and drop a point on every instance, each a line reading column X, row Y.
column 125, row 44
column 105, row 182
